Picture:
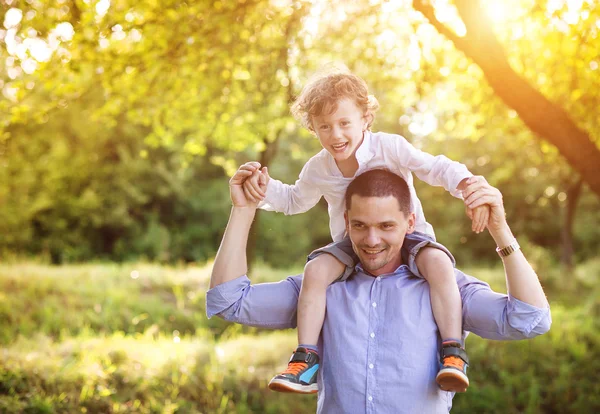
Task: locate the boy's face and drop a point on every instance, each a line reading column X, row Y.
column 341, row 132
column 377, row 227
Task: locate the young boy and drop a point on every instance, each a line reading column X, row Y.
column 339, row 111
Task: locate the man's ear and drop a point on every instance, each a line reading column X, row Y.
column 412, row 220
column 346, row 220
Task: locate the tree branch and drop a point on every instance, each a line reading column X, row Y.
column 546, row 119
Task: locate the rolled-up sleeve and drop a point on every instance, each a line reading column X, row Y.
column 493, row 315
column 265, row 305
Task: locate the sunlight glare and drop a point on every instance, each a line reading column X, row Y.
column 102, row 7
column 64, row 31
column 12, row 18
column 38, row 49
column 496, row 10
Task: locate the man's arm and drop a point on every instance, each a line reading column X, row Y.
column 231, row 296
column 493, row 315
column 231, row 262
column 521, row 281
column 264, row 305
column 524, row 312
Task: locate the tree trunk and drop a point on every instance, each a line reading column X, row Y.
column 573, row 193
column 270, row 150
column 265, row 160
column 545, row 118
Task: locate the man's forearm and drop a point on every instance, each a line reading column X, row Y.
column 231, row 261
column 521, row 280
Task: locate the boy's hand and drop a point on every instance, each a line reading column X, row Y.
column 236, row 184
column 480, row 193
column 480, row 216
column 255, row 187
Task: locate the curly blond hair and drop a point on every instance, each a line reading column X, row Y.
column 322, row 94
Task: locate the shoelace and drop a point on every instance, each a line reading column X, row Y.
column 454, row 361
column 294, row 368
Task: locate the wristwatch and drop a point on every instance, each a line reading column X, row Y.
column 506, row 251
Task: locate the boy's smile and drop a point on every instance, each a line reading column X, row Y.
column 341, row 132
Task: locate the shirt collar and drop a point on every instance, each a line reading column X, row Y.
column 364, row 153
column 402, row 270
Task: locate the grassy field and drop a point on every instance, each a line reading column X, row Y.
column 134, row 338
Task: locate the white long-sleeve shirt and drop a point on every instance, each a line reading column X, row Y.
column 321, row 177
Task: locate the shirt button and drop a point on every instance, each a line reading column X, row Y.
column 370, row 398
column 372, row 334
column 378, row 279
column 371, row 366
column 374, row 305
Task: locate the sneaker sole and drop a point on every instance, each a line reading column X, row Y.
column 286, row 386
column 452, row 380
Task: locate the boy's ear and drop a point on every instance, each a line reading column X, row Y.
column 368, row 118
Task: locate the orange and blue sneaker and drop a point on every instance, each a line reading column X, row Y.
column 300, row 375
column 453, row 367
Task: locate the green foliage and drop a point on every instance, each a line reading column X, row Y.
column 148, row 347
column 550, row 374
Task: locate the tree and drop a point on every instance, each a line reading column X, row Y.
column 547, row 119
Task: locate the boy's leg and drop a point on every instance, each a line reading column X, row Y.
column 322, row 270
column 437, row 269
column 318, row 275
column 436, row 266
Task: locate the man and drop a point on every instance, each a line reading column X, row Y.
column 380, row 341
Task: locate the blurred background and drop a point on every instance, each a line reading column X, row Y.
column 121, row 122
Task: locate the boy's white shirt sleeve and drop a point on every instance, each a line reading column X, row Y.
column 292, row 199
column 436, row 170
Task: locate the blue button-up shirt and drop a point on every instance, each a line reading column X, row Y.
column 380, row 343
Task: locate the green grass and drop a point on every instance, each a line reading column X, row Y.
column 134, row 338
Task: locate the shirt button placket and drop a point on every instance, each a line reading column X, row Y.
column 372, row 345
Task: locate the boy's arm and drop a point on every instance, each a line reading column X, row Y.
column 436, row 170
column 441, row 171
column 296, row 198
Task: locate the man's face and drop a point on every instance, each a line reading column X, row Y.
column 341, row 132
column 377, row 227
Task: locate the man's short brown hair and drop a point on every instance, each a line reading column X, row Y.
column 380, row 183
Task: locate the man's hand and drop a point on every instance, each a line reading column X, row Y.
column 255, row 187
column 478, row 193
column 236, row 185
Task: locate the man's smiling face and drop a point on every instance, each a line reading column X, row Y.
column 377, row 227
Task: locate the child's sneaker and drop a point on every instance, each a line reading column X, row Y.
column 300, row 375
column 453, row 368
